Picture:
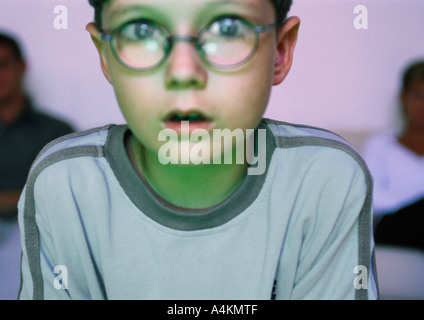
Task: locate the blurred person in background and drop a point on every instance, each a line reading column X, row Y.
column 24, row 131
column 396, row 161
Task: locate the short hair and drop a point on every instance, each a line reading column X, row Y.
column 413, row 73
column 11, row 42
column 282, row 8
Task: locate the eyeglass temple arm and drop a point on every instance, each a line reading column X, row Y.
column 260, row 29
column 105, row 36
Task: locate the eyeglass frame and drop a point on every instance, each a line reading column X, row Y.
column 107, row 35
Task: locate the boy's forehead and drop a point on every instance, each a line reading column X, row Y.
column 115, row 9
column 161, row 3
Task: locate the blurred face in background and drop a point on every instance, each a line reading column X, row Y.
column 413, row 104
column 11, row 74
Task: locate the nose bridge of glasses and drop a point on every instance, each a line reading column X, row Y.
column 182, row 38
column 172, row 40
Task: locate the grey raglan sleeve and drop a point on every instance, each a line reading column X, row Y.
column 336, row 259
column 40, row 279
column 57, row 259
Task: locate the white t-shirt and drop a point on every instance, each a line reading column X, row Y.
column 301, row 230
column 398, row 173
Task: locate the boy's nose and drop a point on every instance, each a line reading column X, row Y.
column 185, row 68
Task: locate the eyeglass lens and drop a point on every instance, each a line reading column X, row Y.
column 225, row 42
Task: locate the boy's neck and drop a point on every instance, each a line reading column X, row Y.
column 189, row 186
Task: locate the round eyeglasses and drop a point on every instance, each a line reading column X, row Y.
column 225, row 43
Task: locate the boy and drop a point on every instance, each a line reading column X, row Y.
column 107, row 214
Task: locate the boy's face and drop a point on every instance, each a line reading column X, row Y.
column 184, row 84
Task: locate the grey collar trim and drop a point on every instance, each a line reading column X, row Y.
column 155, row 208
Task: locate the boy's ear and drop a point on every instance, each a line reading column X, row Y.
column 98, row 42
column 287, row 38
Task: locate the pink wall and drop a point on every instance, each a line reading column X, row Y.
column 342, row 78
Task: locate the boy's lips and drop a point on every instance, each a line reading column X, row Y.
column 195, row 118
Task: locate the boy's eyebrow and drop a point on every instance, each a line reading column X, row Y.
column 124, row 10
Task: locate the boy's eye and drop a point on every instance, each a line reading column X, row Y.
column 228, row 27
column 139, row 31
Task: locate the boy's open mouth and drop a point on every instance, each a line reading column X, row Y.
column 195, row 119
column 190, row 116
